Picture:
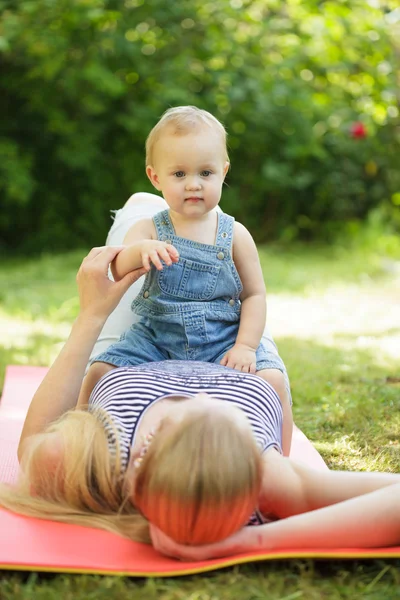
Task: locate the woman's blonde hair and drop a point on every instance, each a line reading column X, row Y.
column 88, row 486
column 183, row 119
column 200, row 479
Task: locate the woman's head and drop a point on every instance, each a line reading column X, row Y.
column 78, row 470
column 200, row 479
column 68, row 474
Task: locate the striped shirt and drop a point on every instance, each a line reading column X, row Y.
column 126, row 393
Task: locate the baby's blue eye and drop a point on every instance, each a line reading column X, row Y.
column 205, row 173
column 179, row 174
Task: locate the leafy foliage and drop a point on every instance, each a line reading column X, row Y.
column 84, row 81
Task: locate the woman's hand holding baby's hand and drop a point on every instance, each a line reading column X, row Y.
column 240, row 357
column 98, row 295
column 153, row 251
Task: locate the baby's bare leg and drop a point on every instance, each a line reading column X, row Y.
column 277, row 380
column 95, row 372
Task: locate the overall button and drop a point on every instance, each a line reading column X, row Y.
column 146, row 294
column 168, row 241
column 232, row 302
column 224, row 234
column 220, row 255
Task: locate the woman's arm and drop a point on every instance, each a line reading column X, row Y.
column 330, row 487
column 98, row 297
column 59, row 390
column 369, row 521
column 290, row 488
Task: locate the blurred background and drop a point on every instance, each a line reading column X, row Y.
column 308, row 91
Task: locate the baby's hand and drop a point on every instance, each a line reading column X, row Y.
column 240, row 357
column 154, row 250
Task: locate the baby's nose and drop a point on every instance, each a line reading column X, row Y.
column 193, row 183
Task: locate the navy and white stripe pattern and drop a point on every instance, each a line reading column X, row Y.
column 125, row 393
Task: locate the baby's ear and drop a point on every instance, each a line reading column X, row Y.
column 226, row 167
column 152, row 175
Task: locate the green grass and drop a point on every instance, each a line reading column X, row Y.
column 294, row 580
column 346, row 399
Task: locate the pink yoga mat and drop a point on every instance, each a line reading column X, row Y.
column 38, row 545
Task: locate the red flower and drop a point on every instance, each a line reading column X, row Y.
column 358, row 130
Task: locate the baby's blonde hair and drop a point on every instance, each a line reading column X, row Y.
column 183, row 119
column 200, row 479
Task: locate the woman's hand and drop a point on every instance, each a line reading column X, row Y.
column 239, row 542
column 98, row 295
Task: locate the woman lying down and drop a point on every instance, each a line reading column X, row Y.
column 186, row 455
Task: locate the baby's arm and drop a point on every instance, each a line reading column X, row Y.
column 253, row 298
column 142, row 248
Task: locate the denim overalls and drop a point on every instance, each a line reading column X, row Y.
column 189, row 310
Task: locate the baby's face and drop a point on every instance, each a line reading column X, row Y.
column 189, row 170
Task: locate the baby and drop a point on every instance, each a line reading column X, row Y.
column 203, row 297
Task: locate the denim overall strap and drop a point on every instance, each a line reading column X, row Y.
column 163, row 225
column 225, row 231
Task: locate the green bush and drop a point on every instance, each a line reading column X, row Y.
column 306, row 90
